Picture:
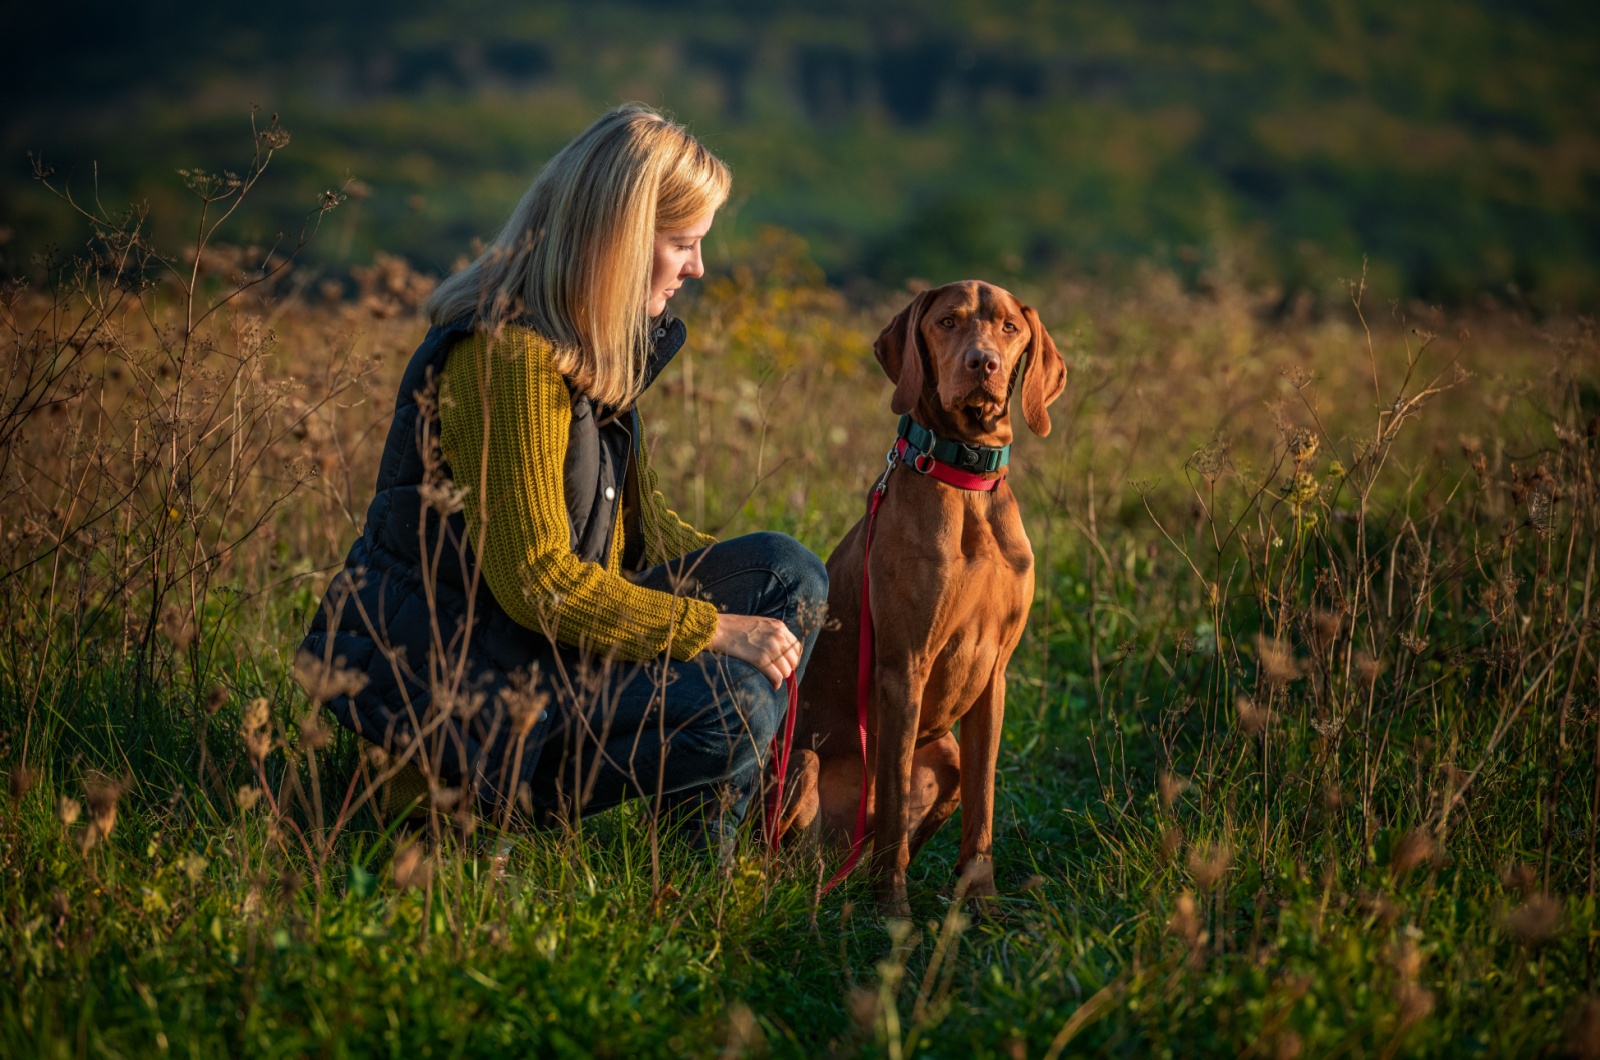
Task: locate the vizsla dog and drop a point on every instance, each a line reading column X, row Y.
column 951, row 584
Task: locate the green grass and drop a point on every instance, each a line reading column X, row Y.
column 135, row 949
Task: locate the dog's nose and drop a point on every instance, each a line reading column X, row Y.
column 983, row 363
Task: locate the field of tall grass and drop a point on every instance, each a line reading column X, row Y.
column 1301, row 755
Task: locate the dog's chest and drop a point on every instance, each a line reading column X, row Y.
column 984, row 604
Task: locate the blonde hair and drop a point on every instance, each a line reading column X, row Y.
column 573, row 262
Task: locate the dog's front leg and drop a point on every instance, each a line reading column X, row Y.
column 899, row 704
column 980, row 750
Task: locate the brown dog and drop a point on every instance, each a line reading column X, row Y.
column 951, row 585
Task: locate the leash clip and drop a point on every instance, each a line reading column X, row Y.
column 882, row 486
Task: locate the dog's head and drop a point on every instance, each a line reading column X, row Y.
column 954, row 354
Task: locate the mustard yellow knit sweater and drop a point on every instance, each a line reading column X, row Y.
column 515, row 470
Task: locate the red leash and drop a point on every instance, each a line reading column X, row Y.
column 781, row 750
column 858, row 842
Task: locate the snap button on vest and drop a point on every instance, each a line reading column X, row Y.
column 611, row 493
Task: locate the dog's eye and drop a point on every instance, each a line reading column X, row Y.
column 948, row 322
column 1010, row 326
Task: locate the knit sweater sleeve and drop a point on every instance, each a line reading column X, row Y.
column 510, row 468
column 665, row 535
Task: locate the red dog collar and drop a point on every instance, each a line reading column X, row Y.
column 946, row 473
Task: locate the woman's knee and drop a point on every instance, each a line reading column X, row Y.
column 802, row 571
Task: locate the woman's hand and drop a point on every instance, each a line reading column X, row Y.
column 764, row 643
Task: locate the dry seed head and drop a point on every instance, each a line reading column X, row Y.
column 324, row 681
column 1209, row 863
column 215, row 699
column 1325, row 626
column 1288, row 1046
column 1535, row 920
column 21, row 780
column 1520, row 877
column 255, row 716
column 1539, row 503
column 1253, row 720
column 442, row 798
column 1301, row 490
column 863, row 1006
column 1416, row 1004
column 193, row 866
column 289, row 882
column 1367, row 669
column 257, row 744
column 377, row 757
column 104, row 794
column 1407, row 958
column 1171, row 786
column 745, row 1037
column 1412, row 849
column 68, row 811
column 247, row 797
column 1185, row 920
column 1171, row 842
column 314, row 732
column 1276, row 659
column 1302, row 446
column 1332, row 797
column 443, row 497
column 1414, row 644
column 252, row 899
column 524, row 701
column 463, row 704
column 1209, row 460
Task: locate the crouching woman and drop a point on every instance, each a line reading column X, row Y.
column 524, row 622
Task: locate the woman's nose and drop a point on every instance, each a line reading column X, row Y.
column 695, row 267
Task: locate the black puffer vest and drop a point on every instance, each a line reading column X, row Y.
column 376, row 618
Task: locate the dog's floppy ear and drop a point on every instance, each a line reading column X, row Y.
column 899, row 350
column 1044, row 377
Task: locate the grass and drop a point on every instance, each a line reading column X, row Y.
column 1299, row 761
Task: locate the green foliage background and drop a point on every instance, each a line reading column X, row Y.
column 1455, row 144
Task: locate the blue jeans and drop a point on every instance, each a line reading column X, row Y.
column 696, row 733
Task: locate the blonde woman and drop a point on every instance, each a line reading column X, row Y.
column 523, row 619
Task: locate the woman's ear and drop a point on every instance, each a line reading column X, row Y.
column 1044, row 377
column 899, row 351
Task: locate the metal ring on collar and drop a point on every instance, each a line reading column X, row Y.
column 916, row 462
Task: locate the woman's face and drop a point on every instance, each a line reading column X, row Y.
column 677, row 258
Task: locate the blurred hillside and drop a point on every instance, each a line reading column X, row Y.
column 1457, row 145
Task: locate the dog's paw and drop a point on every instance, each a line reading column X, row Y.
column 893, row 902
column 977, row 880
